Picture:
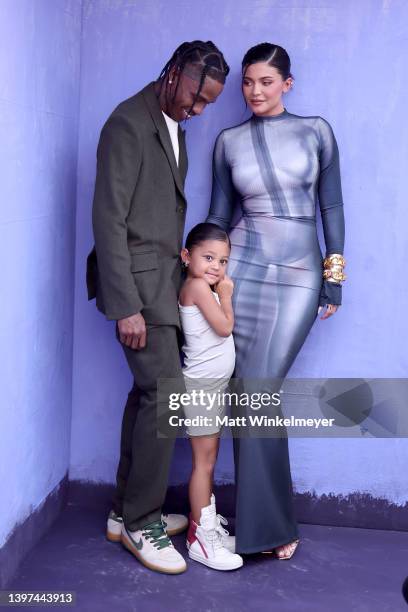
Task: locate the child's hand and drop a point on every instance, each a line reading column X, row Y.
column 225, row 287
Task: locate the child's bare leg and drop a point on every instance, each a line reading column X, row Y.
column 205, row 451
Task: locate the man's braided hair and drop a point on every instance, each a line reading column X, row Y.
column 204, row 57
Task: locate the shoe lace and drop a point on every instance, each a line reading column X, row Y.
column 214, row 539
column 156, row 534
column 221, row 520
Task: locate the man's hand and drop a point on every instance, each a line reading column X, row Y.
column 132, row 331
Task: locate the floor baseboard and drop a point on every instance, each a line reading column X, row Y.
column 355, row 510
column 27, row 534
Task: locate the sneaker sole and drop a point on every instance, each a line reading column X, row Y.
column 173, row 532
column 196, row 557
column 113, row 537
column 152, row 566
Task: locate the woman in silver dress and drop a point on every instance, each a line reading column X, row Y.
column 278, row 167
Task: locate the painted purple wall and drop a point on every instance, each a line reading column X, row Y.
column 39, row 96
column 349, row 67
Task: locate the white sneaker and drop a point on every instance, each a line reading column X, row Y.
column 205, row 544
column 153, row 548
column 114, row 527
column 228, row 541
column 173, row 524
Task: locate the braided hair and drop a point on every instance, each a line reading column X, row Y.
column 206, row 59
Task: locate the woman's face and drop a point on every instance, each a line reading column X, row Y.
column 263, row 86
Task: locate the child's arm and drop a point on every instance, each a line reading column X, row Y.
column 219, row 316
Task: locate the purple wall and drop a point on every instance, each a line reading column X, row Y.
column 349, row 67
column 39, row 96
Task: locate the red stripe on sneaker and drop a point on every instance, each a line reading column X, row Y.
column 192, row 536
column 202, row 548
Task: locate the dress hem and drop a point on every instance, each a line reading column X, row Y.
column 266, row 547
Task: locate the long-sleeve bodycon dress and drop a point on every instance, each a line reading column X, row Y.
column 278, row 168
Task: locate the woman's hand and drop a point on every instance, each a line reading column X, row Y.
column 330, row 310
column 225, row 287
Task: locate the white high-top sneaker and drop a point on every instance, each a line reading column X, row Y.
column 228, row 541
column 204, row 543
column 152, row 546
column 173, row 524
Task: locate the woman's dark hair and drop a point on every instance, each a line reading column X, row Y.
column 205, row 231
column 274, row 55
column 206, row 60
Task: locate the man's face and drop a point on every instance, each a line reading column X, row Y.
column 181, row 108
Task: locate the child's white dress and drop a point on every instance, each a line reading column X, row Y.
column 208, row 365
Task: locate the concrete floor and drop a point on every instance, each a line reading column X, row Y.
column 335, row 568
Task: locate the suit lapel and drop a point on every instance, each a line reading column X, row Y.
column 163, row 134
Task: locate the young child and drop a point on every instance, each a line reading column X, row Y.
column 207, row 320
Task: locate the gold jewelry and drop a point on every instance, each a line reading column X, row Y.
column 333, row 268
column 334, row 260
column 334, row 276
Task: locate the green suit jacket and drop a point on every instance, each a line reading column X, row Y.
column 138, row 216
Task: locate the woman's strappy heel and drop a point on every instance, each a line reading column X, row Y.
column 292, row 547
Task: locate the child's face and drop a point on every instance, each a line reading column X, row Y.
column 207, row 260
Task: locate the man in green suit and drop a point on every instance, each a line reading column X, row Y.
column 134, row 271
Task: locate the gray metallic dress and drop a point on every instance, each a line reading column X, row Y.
column 277, row 169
